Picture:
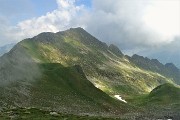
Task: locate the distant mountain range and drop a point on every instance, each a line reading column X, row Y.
column 166, row 56
column 168, row 70
column 73, row 72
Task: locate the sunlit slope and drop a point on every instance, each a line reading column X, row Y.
column 106, row 67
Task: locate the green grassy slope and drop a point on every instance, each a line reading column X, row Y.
column 63, row 89
column 165, row 97
column 165, row 94
column 67, row 89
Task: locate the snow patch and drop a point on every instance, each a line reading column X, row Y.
column 120, row 98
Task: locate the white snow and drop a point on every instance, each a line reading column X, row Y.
column 120, row 98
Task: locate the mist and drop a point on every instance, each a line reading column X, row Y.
column 17, row 66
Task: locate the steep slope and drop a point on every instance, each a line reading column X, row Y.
column 63, row 89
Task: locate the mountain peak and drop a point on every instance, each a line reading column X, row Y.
column 81, row 35
column 115, row 50
column 70, row 30
column 77, row 28
column 172, row 67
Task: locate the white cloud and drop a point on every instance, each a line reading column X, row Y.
column 163, row 17
column 4, row 30
column 168, row 53
column 60, row 19
column 65, row 4
column 130, row 24
column 126, row 23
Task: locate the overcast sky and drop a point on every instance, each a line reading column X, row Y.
column 134, row 25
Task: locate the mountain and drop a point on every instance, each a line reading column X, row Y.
column 6, row 48
column 167, row 53
column 112, row 73
column 115, row 50
column 72, row 71
column 30, row 79
column 167, row 56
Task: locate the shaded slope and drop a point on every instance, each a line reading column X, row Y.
column 69, row 90
column 63, row 89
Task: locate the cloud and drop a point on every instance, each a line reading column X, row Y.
column 11, row 12
column 168, row 53
column 60, row 19
column 4, row 30
column 122, row 22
